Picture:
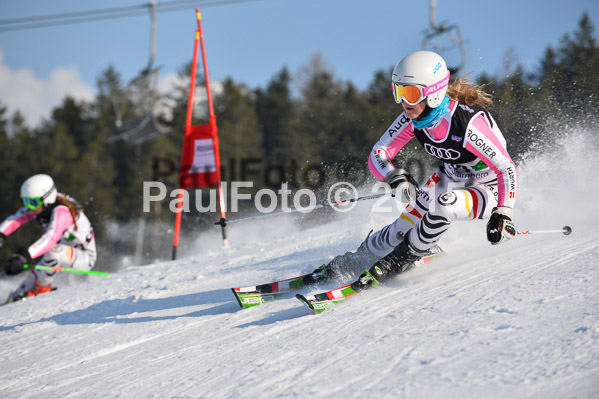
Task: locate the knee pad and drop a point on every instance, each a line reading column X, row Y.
column 447, row 204
column 465, row 204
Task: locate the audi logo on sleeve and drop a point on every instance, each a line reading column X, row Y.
column 445, row 154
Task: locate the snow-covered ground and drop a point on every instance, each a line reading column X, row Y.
column 518, row 320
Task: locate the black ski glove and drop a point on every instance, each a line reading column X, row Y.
column 2, row 239
column 14, row 264
column 500, row 227
column 405, row 186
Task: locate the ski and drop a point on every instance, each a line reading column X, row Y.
column 255, row 295
column 318, row 303
column 23, row 297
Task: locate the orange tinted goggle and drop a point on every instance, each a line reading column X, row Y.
column 414, row 94
column 410, row 94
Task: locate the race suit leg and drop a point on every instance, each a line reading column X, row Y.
column 441, row 201
column 66, row 256
column 348, row 264
column 60, row 255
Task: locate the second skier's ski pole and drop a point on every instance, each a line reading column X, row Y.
column 62, row 269
column 566, row 230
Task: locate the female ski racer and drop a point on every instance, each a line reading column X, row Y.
column 68, row 241
column 476, row 180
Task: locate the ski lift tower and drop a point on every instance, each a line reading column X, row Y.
column 144, row 127
column 446, row 40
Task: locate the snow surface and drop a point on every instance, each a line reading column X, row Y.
column 518, row 320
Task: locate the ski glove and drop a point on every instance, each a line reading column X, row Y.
column 404, row 185
column 2, row 239
column 500, row 227
column 15, row 264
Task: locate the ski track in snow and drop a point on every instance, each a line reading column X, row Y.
column 518, row 320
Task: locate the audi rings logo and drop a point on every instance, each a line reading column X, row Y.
column 441, row 153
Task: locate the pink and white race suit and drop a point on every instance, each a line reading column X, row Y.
column 66, row 243
column 477, row 174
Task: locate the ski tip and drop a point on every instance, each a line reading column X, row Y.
column 567, row 230
column 237, row 297
column 305, row 301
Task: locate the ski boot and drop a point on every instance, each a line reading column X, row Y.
column 402, row 258
column 39, row 288
column 344, row 266
column 28, row 288
column 323, row 273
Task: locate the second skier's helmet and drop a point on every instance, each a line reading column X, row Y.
column 38, row 190
column 418, row 76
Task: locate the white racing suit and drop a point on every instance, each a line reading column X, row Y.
column 66, row 243
column 477, row 174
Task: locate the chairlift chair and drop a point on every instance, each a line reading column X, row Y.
column 433, row 36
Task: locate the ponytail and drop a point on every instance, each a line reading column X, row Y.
column 466, row 92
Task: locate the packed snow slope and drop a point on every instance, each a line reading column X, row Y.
column 518, row 320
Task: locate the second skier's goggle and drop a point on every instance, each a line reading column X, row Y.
column 32, row 202
column 414, row 94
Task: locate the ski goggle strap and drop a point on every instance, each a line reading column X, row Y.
column 32, row 202
column 414, row 94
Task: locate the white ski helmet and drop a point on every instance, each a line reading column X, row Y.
column 38, row 190
column 425, row 70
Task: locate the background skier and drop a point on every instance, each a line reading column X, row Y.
column 68, row 241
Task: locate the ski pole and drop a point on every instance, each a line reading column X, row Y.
column 566, row 230
column 61, row 269
column 223, row 221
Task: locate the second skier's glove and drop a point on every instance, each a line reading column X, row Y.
column 14, row 264
column 500, row 227
column 405, row 186
column 2, row 239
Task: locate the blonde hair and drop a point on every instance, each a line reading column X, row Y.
column 466, row 92
column 73, row 207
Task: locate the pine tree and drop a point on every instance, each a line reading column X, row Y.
column 239, row 132
column 275, row 110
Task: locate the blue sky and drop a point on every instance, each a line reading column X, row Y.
column 252, row 41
